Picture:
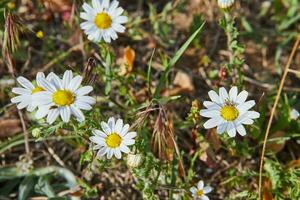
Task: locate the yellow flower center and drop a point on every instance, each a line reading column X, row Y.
column 103, row 20
column 63, row 97
column 229, row 112
column 37, row 89
column 113, row 140
column 199, row 193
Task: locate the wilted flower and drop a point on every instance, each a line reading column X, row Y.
column 228, row 112
column 63, row 97
column 113, row 139
column 104, row 20
column 199, row 192
column 134, row 160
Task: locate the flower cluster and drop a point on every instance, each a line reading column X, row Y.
column 54, row 97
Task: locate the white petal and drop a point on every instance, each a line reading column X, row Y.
column 121, row 19
column 68, row 76
column 83, row 105
column 75, row 83
column 241, row 98
column 106, row 128
column 105, row 4
column 86, row 99
column 83, row 90
column 252, row 114
column 245, row 106
column 207, row 189
column 117, row 12
column 231, row 129
column 222, row 128
column 200, row 185
column 241, row 130
column 87, row 8
column 119, row 126
column 77, row 113
column 214, row 97
column 86, row 16
column 19, row 90
column 113, row 6
column 209, row 113
column 109, row 153
column 99, row 133
column 45, row 84
column 124, row 129
column 42, row 112
column 193, row 190
column 65, row 113
column 96, row 4
column 21, row 98
column 223, row 94
column 129, row 142
column 130, row 135
column 52, row 115
column 124, row 148
column 118, row 27
column 25, row 83
column 233, row 94
column 102, row 152
column 23, row 104
column 211, row 123
column 118, row 153
column 204, row 197
column 111, row 123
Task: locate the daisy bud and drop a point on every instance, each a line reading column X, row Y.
column 134, row 160
column 225, row 4
column 36, row 132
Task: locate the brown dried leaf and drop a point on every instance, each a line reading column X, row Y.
column 267, row 188
column 214, row 139
column 127, row 61
column 276, row 146
column 9, row 127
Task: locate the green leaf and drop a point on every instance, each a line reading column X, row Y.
column 176, row 57
column 26, row 187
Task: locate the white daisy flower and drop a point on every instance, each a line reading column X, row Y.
column 199, row 192
column 64, row 97
column 229, row 112
column 104, row 20
column 113, row 139
column 225, row 3
column 294, row 114
column 25, row 93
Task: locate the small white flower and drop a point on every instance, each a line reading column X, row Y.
column 104, row 20
column 25, row 93
column 113, row 139
column 64, row 97
column 225, row 3
column 199, row 192
column 228, row 112
column 294, row 114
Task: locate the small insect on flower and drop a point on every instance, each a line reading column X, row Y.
column 199, row 192
column 64, row 97
column 224, row 4
column 229, row 111
column 113, row 139
column 103, row 20
column 25, row 93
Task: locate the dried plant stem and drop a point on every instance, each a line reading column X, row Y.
column 26, row 140
column 286, row 70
